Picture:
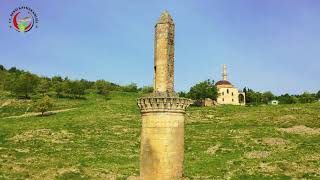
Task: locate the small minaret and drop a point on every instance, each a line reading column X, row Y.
column 162, row 113
column 224, row 74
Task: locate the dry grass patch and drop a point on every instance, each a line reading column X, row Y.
column 99, row 173
column 213, row 149
column 301, row 129
column 288, row 117
column 22, row 150
column 46, row 135
column 268, row 168
column 297, row 170
column 275, row 141
column 68, row 170
column 92, row 132
column 6, row 102
column 210, row 116
column 257, row 154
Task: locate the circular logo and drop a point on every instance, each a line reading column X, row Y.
column 23, row 19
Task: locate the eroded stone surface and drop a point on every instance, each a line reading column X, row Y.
column 162, row 134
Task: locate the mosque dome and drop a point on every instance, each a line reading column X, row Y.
column 223, row 82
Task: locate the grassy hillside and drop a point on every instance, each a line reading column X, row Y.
column 98, row 138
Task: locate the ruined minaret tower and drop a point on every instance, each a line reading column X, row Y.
column 162, row 134
column 224, row 74
column 164, row 54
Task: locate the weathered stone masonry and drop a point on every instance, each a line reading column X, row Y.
column 162, row 134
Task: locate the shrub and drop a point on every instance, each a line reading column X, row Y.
column 102, row 87
column 45, row 104
column 146, row 89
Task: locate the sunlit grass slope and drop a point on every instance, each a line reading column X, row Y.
column 98, row 138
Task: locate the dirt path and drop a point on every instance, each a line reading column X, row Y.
column 39, row 113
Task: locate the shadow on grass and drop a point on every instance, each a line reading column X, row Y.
column 46, row 114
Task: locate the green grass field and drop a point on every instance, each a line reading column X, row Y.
column 98, row 138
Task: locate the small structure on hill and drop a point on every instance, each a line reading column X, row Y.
column 208, row 102
column 274, row 102
column 162, row 134
column 204, row 102
column 227, row 93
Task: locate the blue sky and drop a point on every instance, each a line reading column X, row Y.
column 268, row 45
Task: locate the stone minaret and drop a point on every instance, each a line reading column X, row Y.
column 164, row 54
column 162, row 134
column 224, row 74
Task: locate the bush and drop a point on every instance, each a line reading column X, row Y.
column 146, row 89
column 102, row 87
column 130, row 88
column 45, row 104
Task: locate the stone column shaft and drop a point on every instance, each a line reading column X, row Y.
column 164, row 55
column 162, row 112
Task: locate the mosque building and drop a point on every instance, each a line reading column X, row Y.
column 227, row 93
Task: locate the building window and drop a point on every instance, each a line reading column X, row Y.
column 222, row 93
column 232, row 93
column 227, row 91
column 222, row 99
column 232, row 100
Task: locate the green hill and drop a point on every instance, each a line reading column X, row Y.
column 98, row 138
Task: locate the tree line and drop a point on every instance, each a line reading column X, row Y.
column 23, row 84
column 207, row 89
column 255, row 97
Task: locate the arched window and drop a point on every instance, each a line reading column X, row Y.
column 241, row 99
column 232, row 93
column 227, row 91
column 222, row 99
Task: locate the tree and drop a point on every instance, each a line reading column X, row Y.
column 112, row 86
column 318, row 95
column 55, row 79
column 13, row 70
column 9, row 82
column 202, row 90
column 77, row 89
column 245, row 90
column 2, row 68
column 146, row 89
column 44, row 86
column 25, row 84
column 3, row 77
column 87, row 84
column 58, row 88
column 306, row 97
column 66, row 87
column 253, row 97
column 267, row 97
column 101, row 87
column 294, row 100
column 132, row 87
column 182, row 94
column 45, row 104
